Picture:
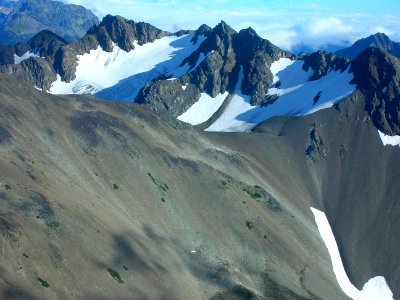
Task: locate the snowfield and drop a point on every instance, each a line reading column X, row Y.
column 203, row 109
column 389, row 140
column 119, row 75
column 376, row 288
column 296, row 96
column 25, row 56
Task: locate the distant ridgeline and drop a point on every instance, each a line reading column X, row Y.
column 21, row 20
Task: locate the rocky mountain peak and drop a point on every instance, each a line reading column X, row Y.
column 321, row 62
column 122, row 32
column 377, row 74
column 378, row 40
column 249, row 33
column 203, row 29
column 226, row 52
column 223, row 28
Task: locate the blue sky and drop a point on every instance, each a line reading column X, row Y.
column 287, row 23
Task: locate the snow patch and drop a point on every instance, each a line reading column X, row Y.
column 25, row 56
column 375, row 288
column 203, row 109
column 201, row 58
column 278, row 66
column 389, row 140
column 119, row 75
column 239, row 104
column 296, row 96
column 184, row 87
column 183, row 70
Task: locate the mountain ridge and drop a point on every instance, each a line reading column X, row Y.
column 25, row 18
column 219, row 57
column 378, row 40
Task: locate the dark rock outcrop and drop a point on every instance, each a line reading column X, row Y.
column 322, row 62
column 317, row 149
column 226, row 52
column 377, row 74
column 112, row 30
column 44, row 44
column 35, row 70
column 61, row 57
column 38, row 71
column 256, row 56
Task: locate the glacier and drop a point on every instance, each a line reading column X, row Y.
column 119, row 75
column 296, row 96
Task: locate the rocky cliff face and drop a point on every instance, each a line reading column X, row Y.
column 377, row 74
column 38, row 71
column 28, row 17
column 226, row 52
column 113, row 30
column 61, row 57
column 322, row 62
column 44, row 44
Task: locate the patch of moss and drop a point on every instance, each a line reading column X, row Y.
column 126, row 268
column 152, row 178
column 162, row 200
column 43, row 282
column 114, row 274
column 7, row 187
column 249, row 225
column 251, row 192
column 53, row 224
column 162, row 186
column 224, row 183
column 115, row 187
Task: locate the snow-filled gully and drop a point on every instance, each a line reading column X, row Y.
column 375, row 289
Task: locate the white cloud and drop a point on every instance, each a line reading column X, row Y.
column 311, row 25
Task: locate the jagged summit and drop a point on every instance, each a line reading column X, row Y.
column 122, row 32
column 378, row 40
column 215, row 68
column 121, row 59
column 321, row 62
column 377, row 73
column 45, row 44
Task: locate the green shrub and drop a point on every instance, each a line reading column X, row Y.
column 115, row 187
column 53, row 224
column 114, row 274
column 249, row 225
column 43, row 282
column 152, row 178
column 250, row 191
